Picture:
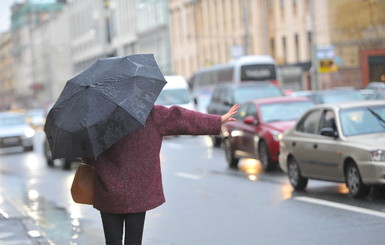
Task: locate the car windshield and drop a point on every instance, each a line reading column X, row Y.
column 173, row 97
column 363, row 120
column 287, row 111
column 243, row 94
column 36, row 113
column 11, row 121
column 341, row 96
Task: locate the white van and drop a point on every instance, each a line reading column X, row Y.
column 176, row 92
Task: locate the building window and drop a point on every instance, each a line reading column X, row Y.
column 294, row 6
column 272, row 47
column 296, row 42
column 282, row 6
column 309, row 44
column 284, row 49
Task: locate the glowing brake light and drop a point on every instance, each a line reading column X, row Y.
column 275, row 82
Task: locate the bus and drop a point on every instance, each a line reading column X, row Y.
column 245, row 69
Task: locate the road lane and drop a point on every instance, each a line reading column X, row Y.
column 207, row 203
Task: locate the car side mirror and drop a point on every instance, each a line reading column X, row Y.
column 195, row 101
column 250, row 120
column 330, row 132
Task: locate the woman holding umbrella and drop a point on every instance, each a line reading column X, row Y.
column 128, row 174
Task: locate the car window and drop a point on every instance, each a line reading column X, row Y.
column 363, row 120
column 217, row 95
column 252, row 111
column 12, row 120
column 227, row 97
column 172, row 97
column 308, row 124
column 242, row 112
column 327, row 120
column 340, row 97
column 286, row 110
column 243, row 94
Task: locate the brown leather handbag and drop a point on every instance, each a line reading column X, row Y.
column 82, row 189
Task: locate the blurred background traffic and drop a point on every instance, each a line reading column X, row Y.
column 213, row 53
column 289, row 63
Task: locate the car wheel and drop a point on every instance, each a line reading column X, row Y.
column 296, row 180
column 67, row 164
column 216, row 141
column 229, row 153
column 264, row 156
column 48, row 155
column 354, row 182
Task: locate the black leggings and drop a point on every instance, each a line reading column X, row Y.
column 113, row 228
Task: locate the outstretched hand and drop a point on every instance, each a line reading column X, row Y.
column 228, row 116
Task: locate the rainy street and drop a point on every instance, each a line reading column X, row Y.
column 207, row 203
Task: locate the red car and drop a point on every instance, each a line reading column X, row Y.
column 259, row 127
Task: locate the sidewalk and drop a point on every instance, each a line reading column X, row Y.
column 17, row 228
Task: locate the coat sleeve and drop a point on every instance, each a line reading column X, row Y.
column 180, row 121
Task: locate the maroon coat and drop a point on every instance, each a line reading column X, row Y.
column 128, row 174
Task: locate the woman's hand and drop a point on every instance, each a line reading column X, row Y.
column 228, row 116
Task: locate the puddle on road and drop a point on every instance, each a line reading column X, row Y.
column 55, row 222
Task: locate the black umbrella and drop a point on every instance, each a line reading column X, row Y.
column 101, row 105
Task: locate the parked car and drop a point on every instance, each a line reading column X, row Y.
column 342, row 142
column 15, row 131
column 373, row 94
column 36, row 118
column 65, row 162
column 224, row 96
column 259, row 127
column 331, row 95
column 376, row 85
column 176, row 92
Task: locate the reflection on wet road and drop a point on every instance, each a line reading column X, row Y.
column 195, row 175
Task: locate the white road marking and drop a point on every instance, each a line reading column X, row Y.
column 188, row 176
column 341, row 206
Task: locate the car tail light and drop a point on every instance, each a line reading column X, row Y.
column 275, row 82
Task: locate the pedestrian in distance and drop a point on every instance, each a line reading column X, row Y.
column 128, row 178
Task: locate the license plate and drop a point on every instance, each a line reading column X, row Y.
column 11, row 141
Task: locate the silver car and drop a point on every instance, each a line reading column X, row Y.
column 15, row 131
column 343, row 142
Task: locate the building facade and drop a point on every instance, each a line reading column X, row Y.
column 357, row 38
column 152, row 30
column 52, row 52
column 206, row 32
column 90, row 32
column 317, row 44
column 122, row 14
column 7, row 92
column 30, row 50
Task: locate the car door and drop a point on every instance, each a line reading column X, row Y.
column 236, row 130
column 303, row 140
column 250, row 140
column 328, row 150
column 239, row 132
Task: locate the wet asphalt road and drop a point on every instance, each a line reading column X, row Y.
column 207, row 203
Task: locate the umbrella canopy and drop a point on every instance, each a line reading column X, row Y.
column 103, row 104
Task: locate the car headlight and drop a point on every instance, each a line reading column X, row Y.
column 377, row 155
column 277, row 136
column 29, row 132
